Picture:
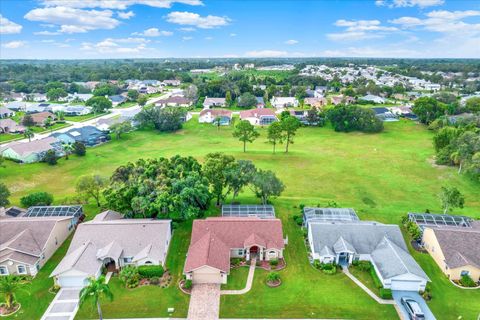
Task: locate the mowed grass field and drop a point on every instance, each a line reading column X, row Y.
column 382, row 176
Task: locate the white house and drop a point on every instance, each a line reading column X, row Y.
column 284, row 102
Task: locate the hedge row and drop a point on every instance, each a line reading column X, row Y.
column 150, row 271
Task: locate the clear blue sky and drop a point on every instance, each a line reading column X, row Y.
column 72, row 29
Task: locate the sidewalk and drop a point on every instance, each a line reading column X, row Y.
column 248, row 285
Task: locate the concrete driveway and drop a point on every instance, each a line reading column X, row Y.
column 397, row 295
column 64, row 306
column 204, row 302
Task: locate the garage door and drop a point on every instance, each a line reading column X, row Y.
column 65, row 282
column 404, row 285
column 207, row 278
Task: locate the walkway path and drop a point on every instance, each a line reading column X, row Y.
column 204, row 302
column 64, row 306
column 364, row 288
column 248, row 285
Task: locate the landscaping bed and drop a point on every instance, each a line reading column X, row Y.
column 5, row 312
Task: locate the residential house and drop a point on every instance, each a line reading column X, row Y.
column 14, row 96
column 113, row 242
column 16, row 105
column 10, row 126
column 88, row 135
column 341, row 99
column 284, row 102
column 174, row 101
column 77, row 110
column 117, row 99
column 210, row 115
column 320, row 91
column 79, row 97
column 37, row 97
column 315, row 102
column 5, row 112
column 385, row 114
column 373, row 98
column 260, row 102
column 341, row 241
column 259, row 116
column 26, row 243
column 404, row 112
column 214, row 102
column 215, row 241
column 40, row 119
column 173, row 83
column 32, row 151
column 37, row 107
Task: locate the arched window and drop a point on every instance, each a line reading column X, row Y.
column 148, row 262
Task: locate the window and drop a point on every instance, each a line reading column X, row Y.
column 464, row 273
column 128, row 259
column 240, row 252
column 3, row 270
column 21, row 269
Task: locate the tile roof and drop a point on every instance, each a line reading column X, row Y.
column 213, row 238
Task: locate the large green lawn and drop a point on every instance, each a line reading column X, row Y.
column 382, row 176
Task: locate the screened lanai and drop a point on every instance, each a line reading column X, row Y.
column 440, row 220
column 260, row 211
column 54, row 211
column 311, row 214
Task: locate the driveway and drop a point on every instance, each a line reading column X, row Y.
column 64, row 306
column 204, row 302
column 397, row 295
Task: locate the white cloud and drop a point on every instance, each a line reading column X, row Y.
column 371, row 52
column 117, row 46
column 47, row 41
column 9, row 27
column 117, row 4
column 153, row 32
column 46, row 33
column 187, row 38
column 14, row 44
column 187, row 29
column 73, row 20
column 291, row 42
column 194, row 19
column 356, row 30
column 266, row 54
column 208, row 38
column 233, row 34
column 409, row 3
column 125, row 14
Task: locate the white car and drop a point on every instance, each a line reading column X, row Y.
column 413, row 308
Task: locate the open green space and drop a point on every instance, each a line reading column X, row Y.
column 237, row 279
column 365, row 277
column 84, row 117
column 383, row 176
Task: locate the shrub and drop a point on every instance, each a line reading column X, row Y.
column 298, row 219
column 317, row 264
column 155, row 280
column 273, row 263
column 328, row 268
column 149, row 271
column 413, row 230
column 466, row 281
column 385, row 293
column 364, row 265
column 235, row 261
column 375, row 278
column 129, row 275
column 37, row 199
column 187, row 284
column 79, row 149
column 50, row 157
column 273, row 277
column 427, row 294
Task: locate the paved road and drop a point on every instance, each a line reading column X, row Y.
column 64, row 306
column 114, row 112
column 204, row 302
column 397, row 295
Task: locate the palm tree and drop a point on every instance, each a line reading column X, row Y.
column 68, row 148
column 9, row 286
column 28, row 134
column 96, row 289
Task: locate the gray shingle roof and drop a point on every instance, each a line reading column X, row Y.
column 460, row 246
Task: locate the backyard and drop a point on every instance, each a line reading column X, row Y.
column 382, row 176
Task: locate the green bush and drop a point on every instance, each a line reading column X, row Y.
column 155, row 280
column 466, row 281
column 187, row 284
column 364, row 265
column 375, row 278
column 150, row 271
column 273, row 277
column 317, row 264
column 36, row 199
column 298, row 219
column 385, row 293
column 328, row 268
column 129, row 275
column 413, row 230
column 273, row 263
column 235, row 261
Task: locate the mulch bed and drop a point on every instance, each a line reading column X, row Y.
column 4, row 312
column 164, row 281
column 265, row 265
column 181, row 284
column 417, row 247
column 274, row 284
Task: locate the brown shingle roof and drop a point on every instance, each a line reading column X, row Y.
column 460, row 246
column 256, row 113
column 213, row 238
column 26, row 148
column 39, row 118
column 217, row 112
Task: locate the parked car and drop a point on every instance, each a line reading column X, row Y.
column 413, row 308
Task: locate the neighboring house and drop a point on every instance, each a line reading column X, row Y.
column 175, row 101
column 10, row 126
column 301, row 115
column 117, row 99
column 32, row 151
column 259, row 116
column 5, row 112
column 173, row 83
column 210, row 115
column 26, row 243
column 105, row 124
column 113, row 242
column 315, row 102
column 40, row 119
column 14, row 96
column 384, row 114
column 284, row 102
column 16, row 105
column 404, row 112
column 342, row 242
column 214, row 102
column 88, row 135
column 216, row 240
column 341, row 99
column 38, row 97
column 260, row 102
column 79, row 97
column 12, row 212
column 373, row 98
column 77, row 110
column 37, row 107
